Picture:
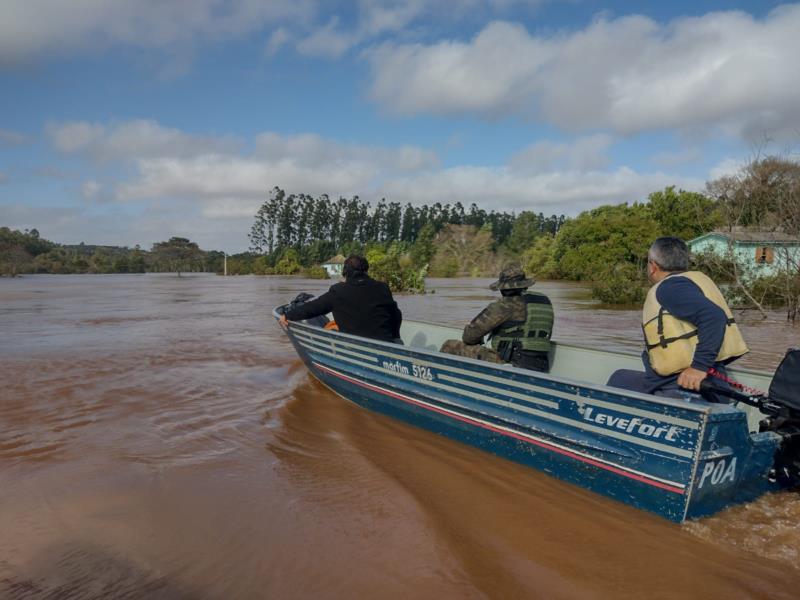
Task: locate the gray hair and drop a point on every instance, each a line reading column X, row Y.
column 670, row 254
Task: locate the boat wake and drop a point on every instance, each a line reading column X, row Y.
column 768, row 527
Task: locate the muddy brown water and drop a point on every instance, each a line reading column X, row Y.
column 160, row 439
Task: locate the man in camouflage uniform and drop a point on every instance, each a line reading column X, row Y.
column 520, row 325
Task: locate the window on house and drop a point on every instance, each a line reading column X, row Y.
column 764, row 255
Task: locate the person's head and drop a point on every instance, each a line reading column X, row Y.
column 512, row 281
column 667, row 255
column 355, row 266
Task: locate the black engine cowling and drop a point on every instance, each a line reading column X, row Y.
column 785, row 386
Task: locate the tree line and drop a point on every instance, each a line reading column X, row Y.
column 23, row 252
column 319, row 227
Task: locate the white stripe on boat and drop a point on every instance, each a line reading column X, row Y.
column 482, row 397
column 335, row 347
column 646, row 477
column 688, row 424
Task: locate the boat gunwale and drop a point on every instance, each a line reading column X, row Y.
column 698, row 406
column 617, row 352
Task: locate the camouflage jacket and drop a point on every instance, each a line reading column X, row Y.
column 494, row 315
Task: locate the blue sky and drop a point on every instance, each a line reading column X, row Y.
column 129, row 121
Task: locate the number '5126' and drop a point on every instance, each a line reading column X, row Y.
column 422, row 372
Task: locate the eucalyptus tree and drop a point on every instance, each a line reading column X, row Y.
column 392, row 222
column 408, row 230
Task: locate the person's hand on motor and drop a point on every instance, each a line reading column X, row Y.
column 691, row 378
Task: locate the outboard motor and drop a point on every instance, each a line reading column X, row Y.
column 785, row 386
column 781, row 407
column 784, row 416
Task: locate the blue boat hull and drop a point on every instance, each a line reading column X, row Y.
column 677, row 459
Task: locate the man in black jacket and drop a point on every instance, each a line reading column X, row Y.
column 360, row 305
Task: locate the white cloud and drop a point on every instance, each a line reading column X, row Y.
column 233, row 185
column 327, row 41
column 32, row 29
column 304, row 163
column 680, row 157
column 29, row 28
column 170, row 164
column 213, row 172
column 75, row 224
column 377, row 16
column 91, row 189
column 403, row 18
column 277, row 40
column 566, row 192
column 131, row 140
column 492, row 75
column 373, row 18
column 728, row 166
column 315, row 151
column 213, row 177
column 211, row 196
column 12, row 138
column 53, row 172
column 584, row 154
column 45, row 219
column 629, row 74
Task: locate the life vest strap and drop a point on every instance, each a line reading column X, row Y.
column 664, row 342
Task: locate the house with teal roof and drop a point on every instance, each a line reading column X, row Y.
column 759, row 252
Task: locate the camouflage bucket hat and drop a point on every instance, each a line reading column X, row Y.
column 512, row 278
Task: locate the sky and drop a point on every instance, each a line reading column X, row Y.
column 126, row 122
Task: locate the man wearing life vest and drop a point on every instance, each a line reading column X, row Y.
column 688, row 327
column 519, row 325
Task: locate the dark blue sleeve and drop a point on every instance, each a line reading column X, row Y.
column 683, row 299
column 318, row 306
column 397, row 318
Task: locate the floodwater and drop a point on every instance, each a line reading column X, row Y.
column 160, row 439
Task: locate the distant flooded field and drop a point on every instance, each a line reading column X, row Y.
column 159, row 438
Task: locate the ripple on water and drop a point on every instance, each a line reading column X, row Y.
column 769, row 527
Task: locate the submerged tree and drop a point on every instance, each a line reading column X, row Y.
column 177, row 255
column 462, row 250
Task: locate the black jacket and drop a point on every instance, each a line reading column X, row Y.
column 360, row 306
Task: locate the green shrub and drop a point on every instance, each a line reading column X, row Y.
column 446, row 267
column 538, row 259
column 608, row 235
column 289, row 263
column 315, row 272
column 397, row 270
column 620, row 284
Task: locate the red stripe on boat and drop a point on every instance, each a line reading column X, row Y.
column 523, row 438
